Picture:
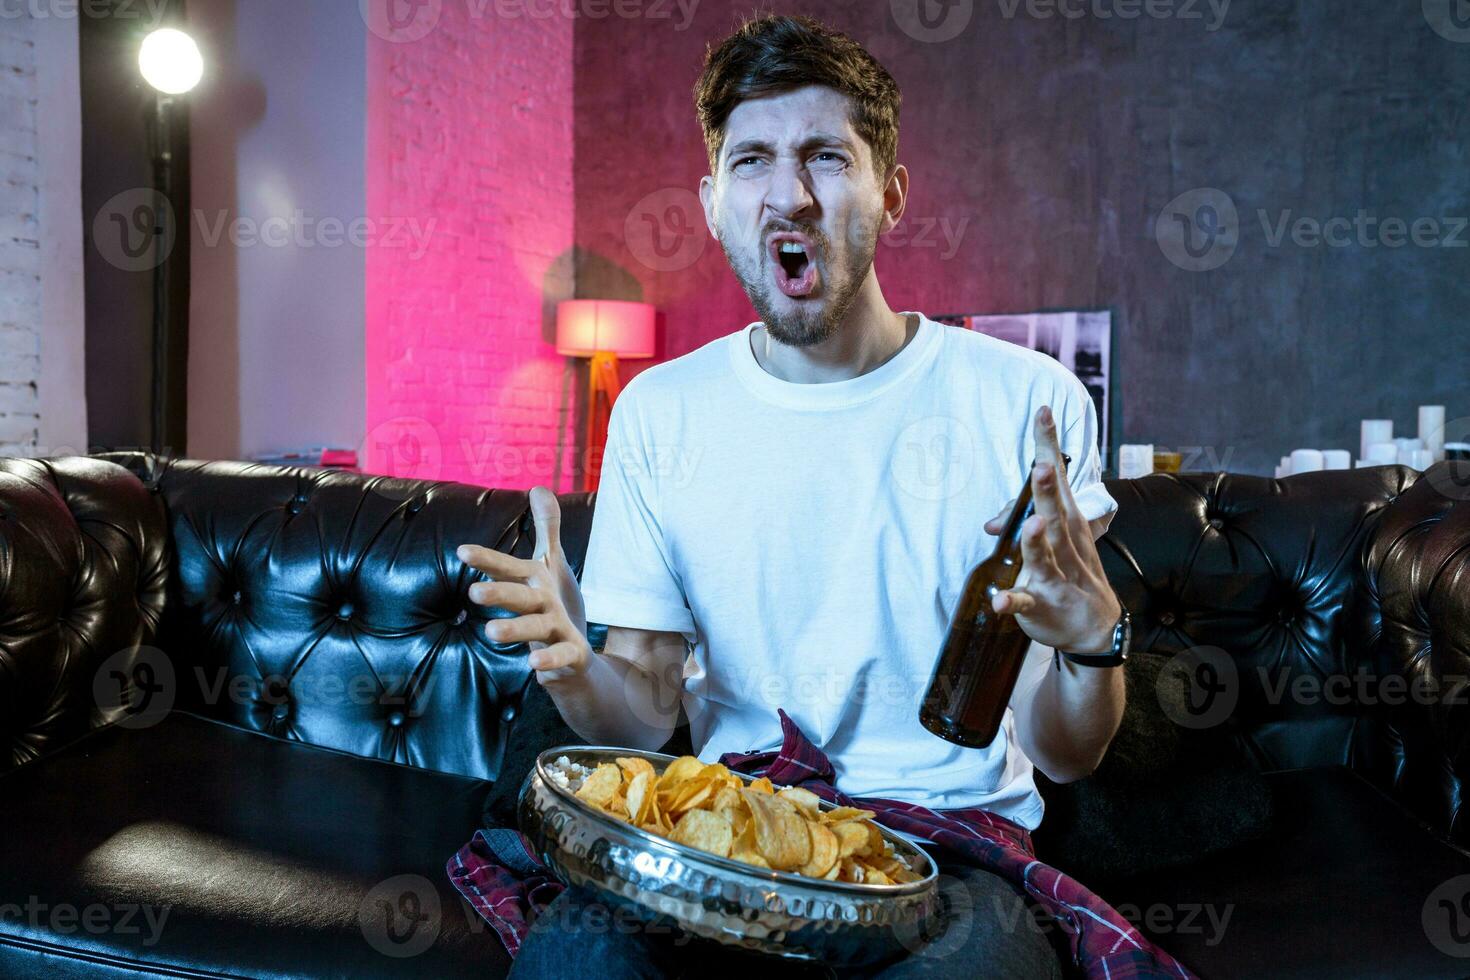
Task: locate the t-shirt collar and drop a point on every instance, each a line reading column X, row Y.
column 833, row 394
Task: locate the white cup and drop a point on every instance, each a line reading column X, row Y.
column 1421, row 459
column 1406, row 448
column 1374, row 430
column 1135, row 460
column 1382, row 454
column 1305, row 461
column 1431, row 430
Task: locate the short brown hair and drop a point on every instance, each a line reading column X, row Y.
column 776, row 54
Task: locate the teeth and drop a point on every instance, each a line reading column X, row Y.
column 792, row 248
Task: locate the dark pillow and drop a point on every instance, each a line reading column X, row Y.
column 538, row 727
column 1164, row 796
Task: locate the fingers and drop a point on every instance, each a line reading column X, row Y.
column 1036, row 551
column 510, row 596
column 997, row 523
column 546, row 516
column 497, row 564
column 1046, row 491
column 533, row 627
column 1044, row 431
column 1015, row 602
column 559, row 656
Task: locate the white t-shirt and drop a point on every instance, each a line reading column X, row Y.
column 811, row 540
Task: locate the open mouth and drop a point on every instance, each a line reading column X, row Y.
column 794, row 265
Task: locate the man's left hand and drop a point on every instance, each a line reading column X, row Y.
column 1062, row 598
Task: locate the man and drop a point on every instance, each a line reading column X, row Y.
column 787, row 514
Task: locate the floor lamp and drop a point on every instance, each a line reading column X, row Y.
column 602, row 330
column 169, row 60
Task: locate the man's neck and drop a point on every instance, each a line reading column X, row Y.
column 862, row 344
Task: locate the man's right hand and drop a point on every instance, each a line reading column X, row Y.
column 542, row 592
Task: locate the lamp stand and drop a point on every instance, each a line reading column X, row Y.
column 602, row 379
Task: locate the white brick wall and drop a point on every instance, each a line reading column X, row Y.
column 20, row 263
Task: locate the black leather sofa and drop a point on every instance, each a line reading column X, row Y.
column 247, row 713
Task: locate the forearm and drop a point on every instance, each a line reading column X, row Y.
column 1075, row 712
column 616, row 702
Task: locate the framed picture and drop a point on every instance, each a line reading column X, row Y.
column 1081, row 340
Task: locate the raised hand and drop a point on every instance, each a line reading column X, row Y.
column 1063, row 598
column 541, row 591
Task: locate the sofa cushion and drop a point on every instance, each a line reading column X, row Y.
column 202, row 849
column 1164, row 795
column 1349, row 884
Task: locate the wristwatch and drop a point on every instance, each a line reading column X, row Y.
column 1114, row 657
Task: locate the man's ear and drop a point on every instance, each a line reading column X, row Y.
column 707, row 201
column 895, row 196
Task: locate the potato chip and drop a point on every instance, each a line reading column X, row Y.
column 803, row 799
column 762, row 785
column 640, row 796
column 601, row 788
column 727, row 798
column 705, row 830
column 780, row 832
column 682, row 768
column 851, row 836
column 840, row 813
column 824, row 851
column 632, row 766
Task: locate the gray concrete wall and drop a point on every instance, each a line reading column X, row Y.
column 1049, row 146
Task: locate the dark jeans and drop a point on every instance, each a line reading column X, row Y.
column 989, row 929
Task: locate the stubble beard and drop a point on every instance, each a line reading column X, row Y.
column 811, row 322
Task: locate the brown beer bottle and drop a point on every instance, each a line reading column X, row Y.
column 983, row 650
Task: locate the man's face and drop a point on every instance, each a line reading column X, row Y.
column 798, row 208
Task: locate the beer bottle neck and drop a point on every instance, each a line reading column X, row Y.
column 1009, row 545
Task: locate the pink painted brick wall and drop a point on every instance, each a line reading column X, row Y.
column 469, row 134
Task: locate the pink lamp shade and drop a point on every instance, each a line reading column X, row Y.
column 588, row 326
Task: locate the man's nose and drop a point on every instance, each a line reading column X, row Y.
column 788, row 195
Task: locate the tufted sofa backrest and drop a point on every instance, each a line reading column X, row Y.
column 329, row 607
column 1417, row 581
column 83, row 561
column 1324, row 619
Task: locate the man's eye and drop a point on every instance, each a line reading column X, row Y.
column 744, row 160
column 833, row 156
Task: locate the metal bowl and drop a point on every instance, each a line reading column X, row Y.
column 776, row 912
